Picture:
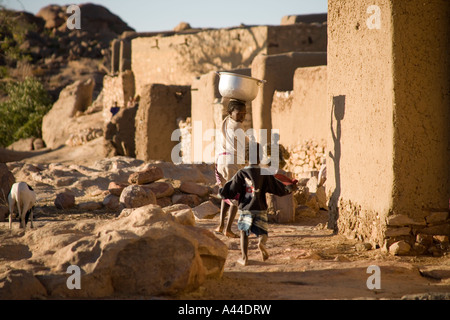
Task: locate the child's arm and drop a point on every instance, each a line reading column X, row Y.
column 277, row 188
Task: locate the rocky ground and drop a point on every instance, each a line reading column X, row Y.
column 306, row 260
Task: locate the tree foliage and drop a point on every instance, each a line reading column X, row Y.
column 21, row 114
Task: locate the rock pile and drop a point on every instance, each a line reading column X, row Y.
column 305, row 157
column 154, row 216
column 406, row 236
column 146, row 252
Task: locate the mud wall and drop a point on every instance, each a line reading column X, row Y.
column 180, row 58
column 278, row 70
column 388, row 114
column 301, row 114
column 156, row 119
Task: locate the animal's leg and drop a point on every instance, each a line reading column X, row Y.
column 21, row 208
column 11, row 212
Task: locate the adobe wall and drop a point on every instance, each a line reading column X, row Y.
column 303, row 115
column 388, row 117
column 421, row 46
column 279, row 71
column 181, row 57
column 156, row 118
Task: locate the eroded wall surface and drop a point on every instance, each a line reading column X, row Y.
column 156, row 119
column 389, row 119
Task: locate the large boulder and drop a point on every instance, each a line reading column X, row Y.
column 96, row 19
column 75, row 97
column 145, row 253
column 6, row 181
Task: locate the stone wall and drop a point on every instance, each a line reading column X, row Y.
column 157, row 116
column 388, row 113
column 117, row 91
column 181, row 57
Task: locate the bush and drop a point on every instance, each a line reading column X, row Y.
column 21, row 115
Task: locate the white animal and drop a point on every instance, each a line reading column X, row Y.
column 25, row 198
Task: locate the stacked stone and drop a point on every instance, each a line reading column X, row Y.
column 306, row 157
column 185, row 127
column 405, row 236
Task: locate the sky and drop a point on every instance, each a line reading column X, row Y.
column 163, row 15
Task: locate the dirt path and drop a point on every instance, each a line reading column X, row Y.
column 307, row 262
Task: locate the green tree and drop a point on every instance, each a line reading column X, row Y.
column 21, row 114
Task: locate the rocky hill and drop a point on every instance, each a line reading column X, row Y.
column 46, row 48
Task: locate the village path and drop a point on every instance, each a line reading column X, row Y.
column 308, row 262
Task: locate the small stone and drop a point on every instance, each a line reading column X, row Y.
column 150, row 174
column 90, row 206
column 192, row 200
column 135, row 196
column 65, row 200
column 116, row 188
column 400, row 231
column 111, row 202
column 164, row 202
column 363, row 246
column 437, row 217
column 400, row 220
column 194, row 188
column 424, row 239
column 442, row 241
column 207, row 210
column 399, row 248
column 160, row 189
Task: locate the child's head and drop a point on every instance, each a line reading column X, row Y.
column 237, row 110
column 254, row 153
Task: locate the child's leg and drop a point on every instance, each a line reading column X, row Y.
column 244, row 249
column 232, row 214
column 223, row 210
column 262, row 246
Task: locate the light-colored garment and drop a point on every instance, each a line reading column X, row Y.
column 230, row 152
column 232, row 143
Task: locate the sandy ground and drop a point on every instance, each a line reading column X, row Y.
column 306, row 260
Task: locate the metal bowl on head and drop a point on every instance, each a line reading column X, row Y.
column 238, row 86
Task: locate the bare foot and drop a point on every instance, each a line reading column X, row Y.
column 242, row 261
column 219, row 230
column 230, row 234
column 264, row 253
